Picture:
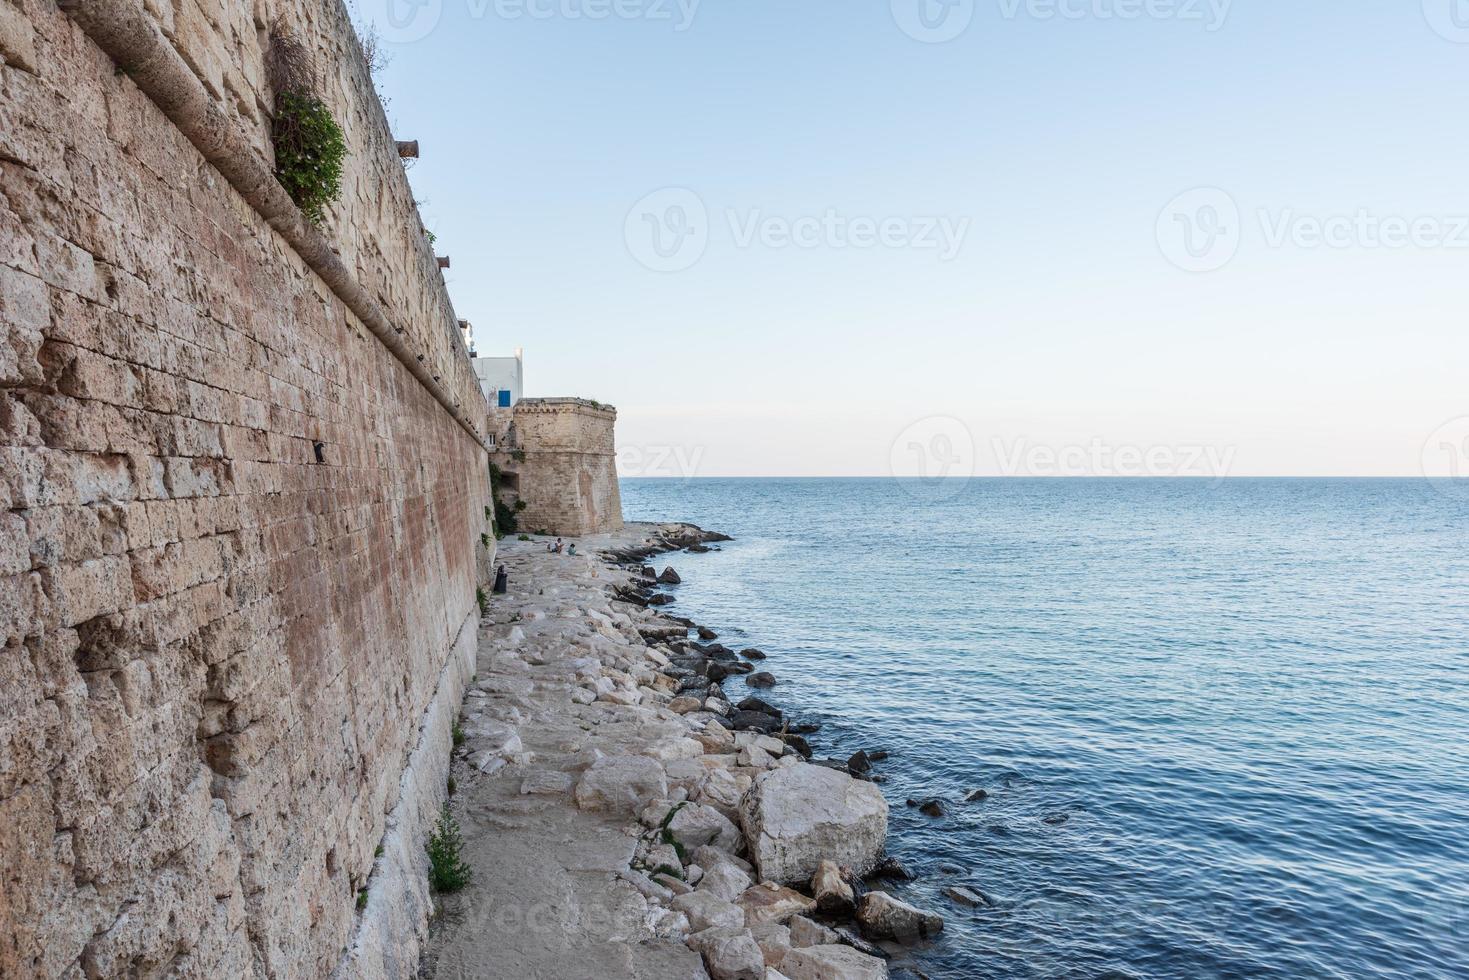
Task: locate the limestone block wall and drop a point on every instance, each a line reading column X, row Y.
column 239, row 536
column 558, row 457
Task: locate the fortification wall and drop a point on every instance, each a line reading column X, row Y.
column 560, row 462
column 221, row 650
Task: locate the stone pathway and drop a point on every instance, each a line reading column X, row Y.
column 547, row 901
column 617, row 827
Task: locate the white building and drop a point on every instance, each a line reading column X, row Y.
column 500, row 378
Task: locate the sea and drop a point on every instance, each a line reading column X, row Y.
column 1222, row 727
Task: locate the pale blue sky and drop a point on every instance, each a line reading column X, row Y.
column 1062, row 321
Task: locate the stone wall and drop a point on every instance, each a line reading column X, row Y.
column 241, row 507
column 557, row 457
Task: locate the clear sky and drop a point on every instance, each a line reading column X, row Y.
column 809, row 237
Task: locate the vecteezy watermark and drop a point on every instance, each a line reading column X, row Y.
column 1202, row 230
column 938, row 21
column 669, row 231
column 1210, row 13
column 406, row 21
column 1199, row 230
column 1448, row 18
column 666, row 462
column 933, row 458
column 933, row 21
column 1363, row 230
column 401, row 21
column 833, row 230
column 1445, row 457
column 1101, row 458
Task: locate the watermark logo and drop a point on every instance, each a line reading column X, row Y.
column 402, row 21
column 1363, row 230
column 1448, row 18
column 1211, row 13
column 933, row 21
column 933, row 458
column 668, row 230
column 407, row 21
column 661, row 462
column 1199, row 230
column 1446, row 457
column 679, row 13
column 1101, row 458
column 833, row 230
column 1202, row 230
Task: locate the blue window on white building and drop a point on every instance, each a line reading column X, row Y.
column 504, row 398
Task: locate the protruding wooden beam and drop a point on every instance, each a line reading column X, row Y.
column 408, row 149
column 442, row 260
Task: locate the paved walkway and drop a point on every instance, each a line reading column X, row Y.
column 547, row 901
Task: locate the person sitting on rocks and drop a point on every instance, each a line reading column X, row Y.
column 572, row 549
column 556, row 548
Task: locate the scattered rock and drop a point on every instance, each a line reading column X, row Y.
column 705, row 633
column 832, row 963
column 725, row 880
column 932, row 808
column 669, row 576
column 877, row 755
column 1056, row 819
column 757, row 721
column 884, row 917
column 797, row 816
column 768, row 902
column 761, row 679
column 546, row 781
column 755, row 757
column 683, row 704
column 964, row 896
column 892, row 869
column 707, row 857
column 695, row 825
column 708, row 911
column 975, row 795
column 852, row 938
column 621, row 783
column 806, row 932
column 661, row 599
column 674, row 885
column 834, row 896
column 734, row 958
column 860, row 763
column 751, row 653
column 764, row 707
column 796, row 742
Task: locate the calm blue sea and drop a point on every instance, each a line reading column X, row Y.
column 1224, row 728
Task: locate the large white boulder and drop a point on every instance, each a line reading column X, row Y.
column 797, row 816
column 621, row 784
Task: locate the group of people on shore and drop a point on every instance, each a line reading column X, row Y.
column 559, row 546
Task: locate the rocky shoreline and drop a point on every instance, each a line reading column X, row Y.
column 676, row 822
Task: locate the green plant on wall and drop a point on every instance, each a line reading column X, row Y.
column 309, row 150
column 447, row 870
column 505, row 522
